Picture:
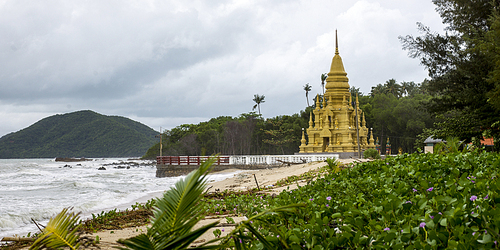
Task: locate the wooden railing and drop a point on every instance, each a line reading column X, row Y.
column 244, row 159
column 189, row 160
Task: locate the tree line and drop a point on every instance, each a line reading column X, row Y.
column 391, row 109
column 247, row 134
column 395, row 112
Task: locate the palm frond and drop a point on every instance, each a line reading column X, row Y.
column 175, row 214
column 238, row 233
column 60, row 232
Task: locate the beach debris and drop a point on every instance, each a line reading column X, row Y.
column 258, row 188
column 38, row 224
column 18, row 239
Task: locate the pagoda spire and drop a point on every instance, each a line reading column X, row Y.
column 336, row 43
column 337, row 83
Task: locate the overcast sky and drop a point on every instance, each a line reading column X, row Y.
column 166, row 63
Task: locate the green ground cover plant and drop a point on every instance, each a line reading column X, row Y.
column 416, row 201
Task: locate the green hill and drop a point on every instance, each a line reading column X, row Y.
column 79, row 134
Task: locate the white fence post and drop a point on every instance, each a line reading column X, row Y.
column 272, row 159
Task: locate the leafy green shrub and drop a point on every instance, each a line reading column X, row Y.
column 371, row 153
column 417, row 201
column 333, row 165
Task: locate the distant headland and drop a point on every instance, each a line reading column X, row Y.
column 81, row 134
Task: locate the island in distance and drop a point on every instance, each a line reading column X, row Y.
column 79, row 134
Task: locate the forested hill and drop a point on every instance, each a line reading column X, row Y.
column 79, row 134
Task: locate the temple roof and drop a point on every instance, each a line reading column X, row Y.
column 337, row 77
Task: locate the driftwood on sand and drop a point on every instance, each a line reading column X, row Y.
column 18, row 239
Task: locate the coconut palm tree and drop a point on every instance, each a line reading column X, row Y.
column 408, row 88
column 393, row 87
column 307, row 88
column 379, row 89
column 258, row 99
column 323, row 79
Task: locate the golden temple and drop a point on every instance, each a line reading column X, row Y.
column 332, row 125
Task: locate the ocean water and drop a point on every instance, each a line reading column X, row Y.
column 40, row 188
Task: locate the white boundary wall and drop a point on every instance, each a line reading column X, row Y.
column 273, row 159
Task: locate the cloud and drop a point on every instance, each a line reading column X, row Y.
column 165, row 63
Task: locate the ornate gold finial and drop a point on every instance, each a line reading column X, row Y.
column 303, row 143
column 303, row 140
column 310, row 120
column 336, row 44
column 371, row 137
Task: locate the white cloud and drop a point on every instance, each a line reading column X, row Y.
column 171, row 62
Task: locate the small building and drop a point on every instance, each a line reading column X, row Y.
column 429, row 144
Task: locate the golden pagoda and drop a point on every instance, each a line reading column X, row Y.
column 332, row 125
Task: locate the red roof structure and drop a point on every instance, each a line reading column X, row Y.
column 487, row 141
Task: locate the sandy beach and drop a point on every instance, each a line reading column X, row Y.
column 240, row 181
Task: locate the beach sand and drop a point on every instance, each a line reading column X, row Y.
column 242, row 180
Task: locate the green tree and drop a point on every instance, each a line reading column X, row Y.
column 383, row 110
column 323, row 79
column 459, row 69
column 279, row 133
column 355, row 92
column 491, row 46
column 393, row 87
column 408, row 88
column 258, row 99
column 379, row 89
column 307, row 88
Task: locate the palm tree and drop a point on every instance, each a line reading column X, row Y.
column 379, row 89
column 393, row 87
column 323, row 79
column 258, row 99
column 408, row 88
column 307, row 88
column 355, row 92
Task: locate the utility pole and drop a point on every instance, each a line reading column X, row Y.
column 355, row 104
column 161, row 144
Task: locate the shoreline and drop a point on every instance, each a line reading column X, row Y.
column 236, row 180
column 241, row 180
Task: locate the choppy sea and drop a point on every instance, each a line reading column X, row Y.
column 40, row 188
